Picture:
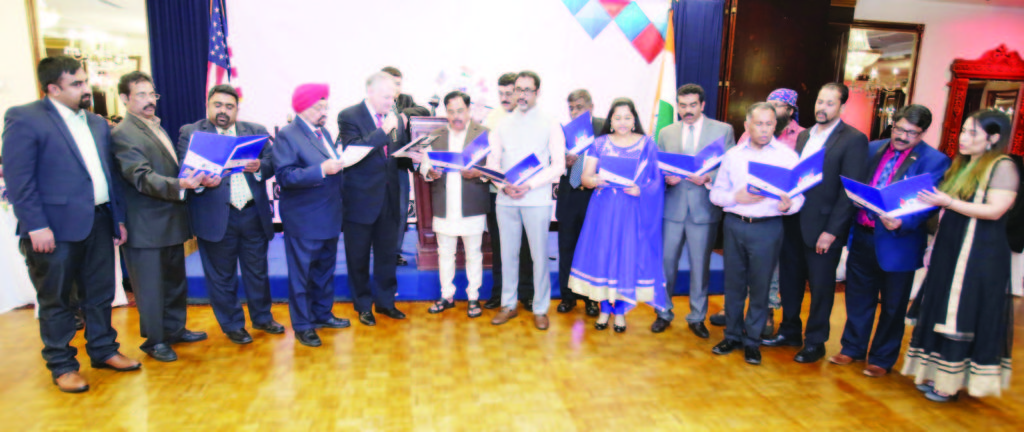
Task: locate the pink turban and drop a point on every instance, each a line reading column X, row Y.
column 307, row 95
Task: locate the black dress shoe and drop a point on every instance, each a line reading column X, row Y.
column 660, row 325
column 79, row 320
column 392, row 313
column 810, row 354
column 566, row 307
column 493, row 303
column 239, row 336
column 308, row 338
column 367, row 318
column 726, row 346
column 272, row 327
column 600, row 326
column 752, row 355
column 718, row 319
column 161, row 352
column 699, row 329
column 335, row 323
column 401, row 261
column 781, row 340
column 593, row 309
column 187, row 336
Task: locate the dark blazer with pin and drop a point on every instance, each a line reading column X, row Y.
column 208, row 208
column 47, row 182
column 157, row 214
column 310, row 203
column 373, row 180
column 827, row 208
column 903, row 249
column 476, row 195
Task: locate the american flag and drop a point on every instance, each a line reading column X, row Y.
column 218, row 69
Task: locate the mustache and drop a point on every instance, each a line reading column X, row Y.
column 820, row 113
column 902, row 141
column 150, row 105
column 688, row 115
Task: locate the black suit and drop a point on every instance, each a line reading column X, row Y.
column 570, row 211
column 50, row 187
column 158, row 225
column 826, row 209
column 371, row 194
column 229, row 237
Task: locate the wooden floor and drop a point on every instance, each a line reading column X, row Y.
column 449, row 373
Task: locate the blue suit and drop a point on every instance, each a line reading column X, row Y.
column 882, row 263
column 371, row 209
column 311, row 210
column 228, row 236
column 50, row 187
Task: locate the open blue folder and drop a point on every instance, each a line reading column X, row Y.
column 471, row 155
column 221, row 155
column 520, row 173
column 772, row 181
column 579, row 134
column 897, row 199
column 620, row 172
column 706, row 160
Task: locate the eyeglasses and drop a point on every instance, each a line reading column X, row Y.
column 908, row 133
column 525, row 91
column 154, row 96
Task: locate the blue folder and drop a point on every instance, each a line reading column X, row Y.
column 772, row 181
column 520, row 173
column 618, row 171
column 221, row 155
column 579, row 134
column 706, row 160
column 471, row 155
column 897, row 199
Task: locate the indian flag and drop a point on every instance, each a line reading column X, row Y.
column 664, row 112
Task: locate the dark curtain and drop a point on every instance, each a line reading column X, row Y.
column 698, row 26
column 178, row 32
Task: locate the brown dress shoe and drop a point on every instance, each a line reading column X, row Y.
column 541, row 321
column 71, row 382
column 505, row 315
column 118, row 363
column 841, row 359
column 875, row 371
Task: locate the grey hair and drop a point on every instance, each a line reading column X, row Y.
column 760, row 106
column 378, row 77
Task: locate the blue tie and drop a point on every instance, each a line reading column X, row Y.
column 576, row 173
column 887, row 170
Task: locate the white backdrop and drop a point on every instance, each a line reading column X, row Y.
column 278, row 45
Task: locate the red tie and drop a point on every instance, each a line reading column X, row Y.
column 380, row 120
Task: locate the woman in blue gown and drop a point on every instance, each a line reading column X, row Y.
column 618, row 256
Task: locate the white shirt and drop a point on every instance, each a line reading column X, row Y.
column 732, row 177
column 697, row 127
column 817, row 139
column 78, row 124
column 454, row 224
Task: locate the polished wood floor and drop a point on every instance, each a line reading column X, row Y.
column 450, row 373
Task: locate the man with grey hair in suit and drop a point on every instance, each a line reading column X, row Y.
column 690, row 217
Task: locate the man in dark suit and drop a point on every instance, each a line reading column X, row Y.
column 233, row 223
column 309, row 170
column 571, row 207
column 814, row 238
column 371, row 197
column 70, row 217
column 157, row 218
column 404, row 104
column 885, row 252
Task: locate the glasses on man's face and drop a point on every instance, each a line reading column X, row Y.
column 525, row 91
column 154, row 96
column 907, row 132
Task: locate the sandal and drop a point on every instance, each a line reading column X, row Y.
column 474, row 309
column 441, row 306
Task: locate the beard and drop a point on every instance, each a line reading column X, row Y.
column 780, row 125
column 85, row 102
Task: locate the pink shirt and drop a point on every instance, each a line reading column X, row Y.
column 787, row 137
column 862, row 215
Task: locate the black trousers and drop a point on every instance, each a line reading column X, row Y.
column 89, row 264
column 161, row 291
column 573, row 210
column 382, row 238
column 244, row 244
column 799, row 266
column 751, row 252
column 525, row 259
